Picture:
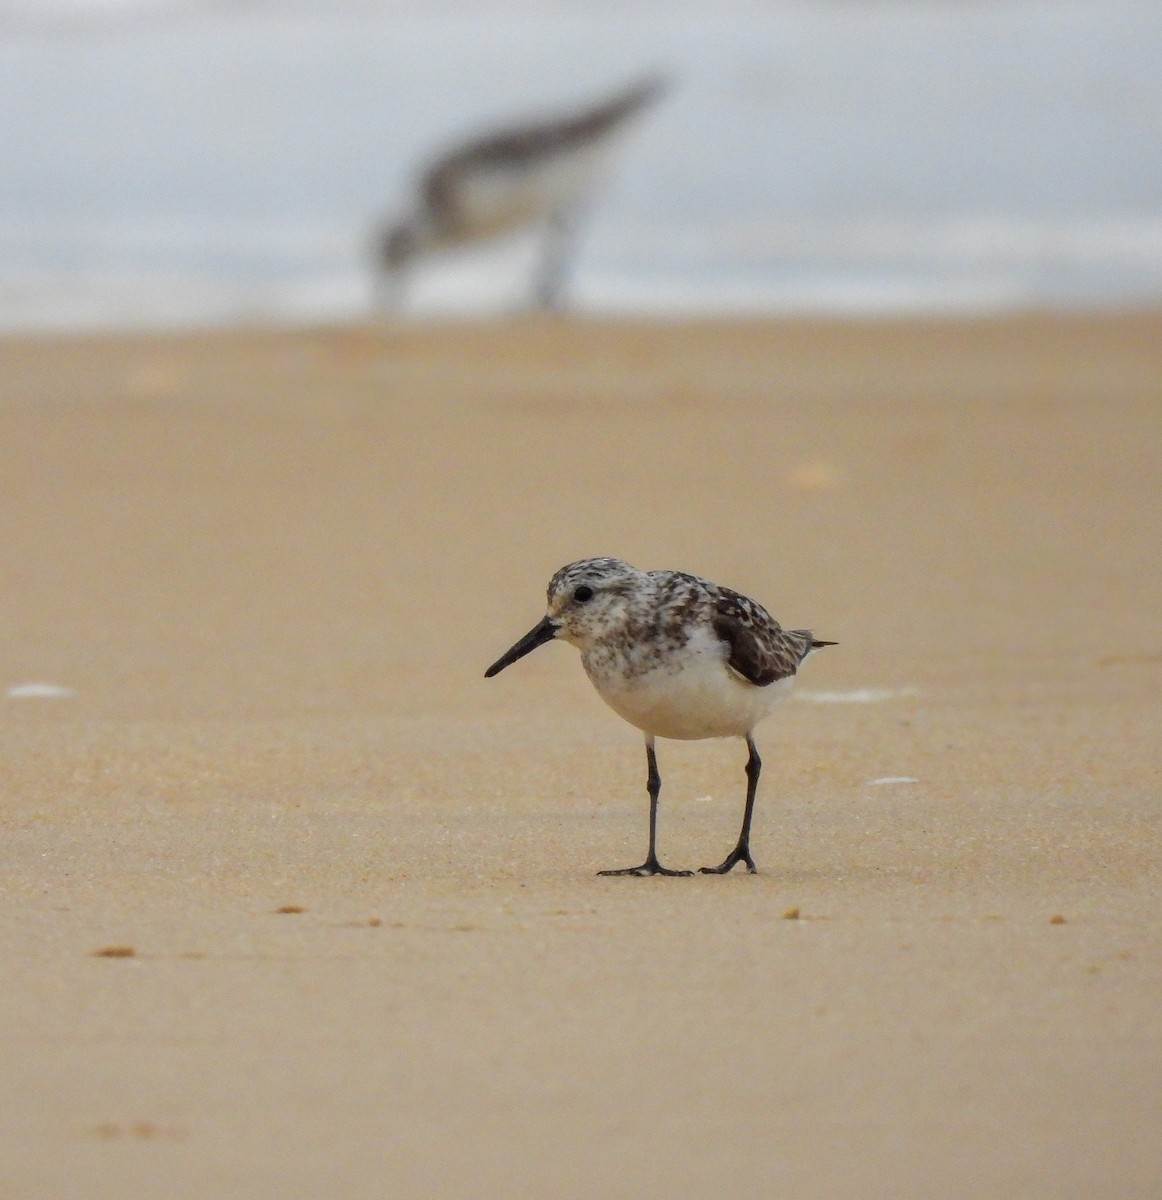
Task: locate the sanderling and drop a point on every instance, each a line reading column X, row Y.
column 678, row 657
column 495, row 184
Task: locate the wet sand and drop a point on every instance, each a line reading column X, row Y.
column 268, row 570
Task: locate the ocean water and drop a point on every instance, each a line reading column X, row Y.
column 173, row 162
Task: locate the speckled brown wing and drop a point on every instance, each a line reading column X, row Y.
column 515, row 148
column 760, row 650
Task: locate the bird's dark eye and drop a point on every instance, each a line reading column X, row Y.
column 582, row 594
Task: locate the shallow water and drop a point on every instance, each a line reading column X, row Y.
column 166, row 163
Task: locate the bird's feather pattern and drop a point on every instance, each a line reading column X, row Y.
column 445, row 186
column 760, row 649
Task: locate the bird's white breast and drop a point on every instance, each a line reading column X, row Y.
column 688, row 694
column 491, row 199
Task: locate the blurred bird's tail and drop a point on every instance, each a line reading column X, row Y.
column 624, row 104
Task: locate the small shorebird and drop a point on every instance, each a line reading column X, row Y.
column 678, row 657
column 541, row 172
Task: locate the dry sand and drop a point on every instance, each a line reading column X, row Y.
column 271, row 568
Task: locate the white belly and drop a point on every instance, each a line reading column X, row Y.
column 705, row 699
column 493, row 200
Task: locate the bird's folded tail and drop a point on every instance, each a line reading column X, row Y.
column 813, row 643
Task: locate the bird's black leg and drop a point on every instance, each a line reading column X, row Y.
column 559, row 249
column 741, row 852
column 390, row 290
column 653, row 785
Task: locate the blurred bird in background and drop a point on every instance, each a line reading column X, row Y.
column 541, row 173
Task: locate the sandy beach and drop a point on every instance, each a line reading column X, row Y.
column 297, row 905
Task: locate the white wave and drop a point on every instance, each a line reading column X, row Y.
column 979, row 240
column 856, row 695
column 39, row 691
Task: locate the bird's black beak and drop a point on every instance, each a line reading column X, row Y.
column 544, row 632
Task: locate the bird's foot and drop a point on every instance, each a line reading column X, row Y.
column 740, row 854
column 650, row 867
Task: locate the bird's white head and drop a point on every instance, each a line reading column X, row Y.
column 587, row 601
column 592, row 598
